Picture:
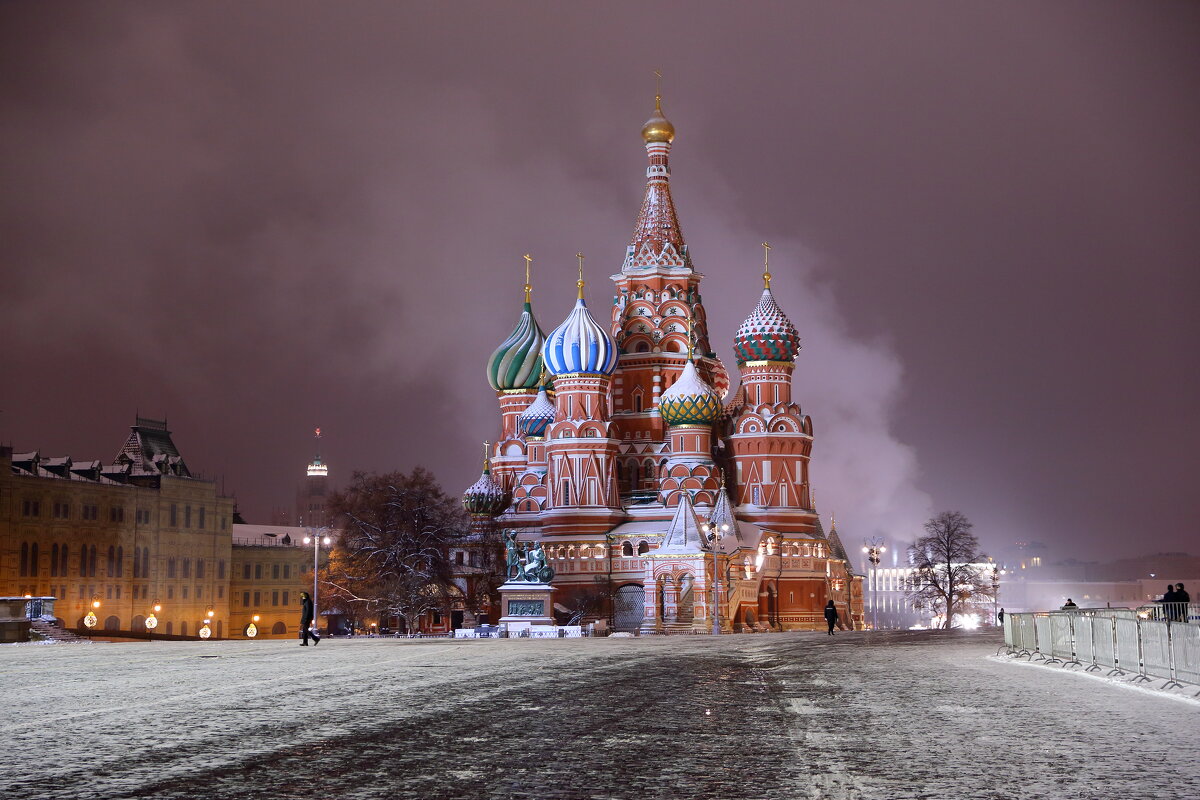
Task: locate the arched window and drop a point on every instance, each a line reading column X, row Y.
column 627, row 549
column 643, row 548
column 24, row 559
column 278, row 629
column 145, row 562
column 183, row 628
column 120, row 562
column 112, row 624
column 168, row 629
column 92, row 561
column 62, row 566
column 33, row 560
column 54, row 561
column 110, row 563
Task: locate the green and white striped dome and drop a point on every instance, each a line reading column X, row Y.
column 517, row 362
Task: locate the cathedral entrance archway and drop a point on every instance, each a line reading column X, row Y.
column 629, row 604
column 686, row 606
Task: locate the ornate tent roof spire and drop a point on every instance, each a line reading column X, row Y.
column 657, row 240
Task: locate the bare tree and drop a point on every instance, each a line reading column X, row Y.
column 946, row 571
column 392, row 557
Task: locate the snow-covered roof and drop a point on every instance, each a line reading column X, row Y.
column 683, row 535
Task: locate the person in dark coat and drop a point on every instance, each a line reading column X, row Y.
column 831, row 615
column 1182, row 598
column 306, row 621
column 1168, row 599
column 1000, row 617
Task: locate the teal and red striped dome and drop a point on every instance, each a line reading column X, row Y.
column 767, row 334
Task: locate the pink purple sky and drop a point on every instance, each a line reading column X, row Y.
column 254, row 218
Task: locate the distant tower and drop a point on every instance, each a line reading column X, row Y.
column 312, row 498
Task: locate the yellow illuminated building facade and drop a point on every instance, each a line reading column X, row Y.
column 138, row 533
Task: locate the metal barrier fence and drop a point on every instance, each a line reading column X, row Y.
column 1124, row 641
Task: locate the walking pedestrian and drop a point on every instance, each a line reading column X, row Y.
column 1000, row 617
column 831, row 615
column 306, row 621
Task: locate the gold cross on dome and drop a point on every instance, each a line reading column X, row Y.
column 528, row 287
column 579, row 283
column 766, row 268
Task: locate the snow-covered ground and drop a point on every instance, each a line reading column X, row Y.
column 853, row 716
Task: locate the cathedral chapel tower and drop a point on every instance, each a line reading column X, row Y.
column 581, row 447
column 513, row 371
column 657, row 302
column 770, row 438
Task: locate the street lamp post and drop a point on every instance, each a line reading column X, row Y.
column 714, row 534
column 873, row 548
column 316, row 541
column 996, row 573
column 152, row 621
column 91, row 619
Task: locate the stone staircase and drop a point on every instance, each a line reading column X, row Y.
column 52, row 632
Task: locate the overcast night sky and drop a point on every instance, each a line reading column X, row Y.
column 254, row 218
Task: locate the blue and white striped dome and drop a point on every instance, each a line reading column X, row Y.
column 579, row 345
column 534, row 420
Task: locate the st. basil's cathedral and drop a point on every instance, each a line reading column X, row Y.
column 619, row 455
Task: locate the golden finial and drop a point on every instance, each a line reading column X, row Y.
column 691, row 343
column 832, row 521
column 579, row 282
column 486, row 460
column 766, row 269
column 658, row 128
column 528, row 287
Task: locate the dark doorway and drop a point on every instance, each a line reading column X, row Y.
column 456, row 620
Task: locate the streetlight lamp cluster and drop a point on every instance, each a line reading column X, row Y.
column 316, row 541
column 873, row 549
column 996, row 573
column 714, row 532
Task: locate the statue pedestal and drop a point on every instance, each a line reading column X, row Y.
column 526, row 603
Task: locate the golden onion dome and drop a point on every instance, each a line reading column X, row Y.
column 658, row 128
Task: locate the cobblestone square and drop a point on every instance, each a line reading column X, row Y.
column 802, row 715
